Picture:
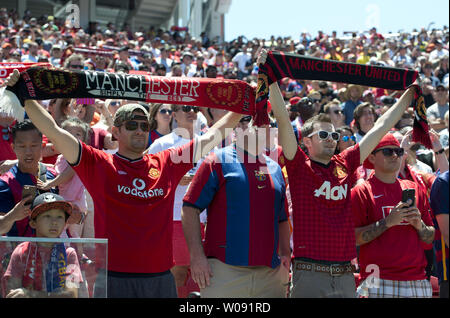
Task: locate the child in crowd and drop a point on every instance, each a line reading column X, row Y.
column 38, row 270
column 70, row 186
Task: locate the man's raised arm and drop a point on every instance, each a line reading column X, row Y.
column 64, row 142
column 385, row 123
column 286, row 134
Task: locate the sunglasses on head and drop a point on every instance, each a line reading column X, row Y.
column 324, row 135
column 166, row 111
column 188, row 109
column 347, row 138
column 76, row 66
column 133, row 125
column 388, row 152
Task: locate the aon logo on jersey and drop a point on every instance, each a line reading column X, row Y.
column 336, row 193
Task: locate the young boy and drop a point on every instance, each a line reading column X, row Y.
column 69, row 184
column 38, row 270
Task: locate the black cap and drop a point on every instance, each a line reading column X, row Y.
column 48, row 201
column 306, row 102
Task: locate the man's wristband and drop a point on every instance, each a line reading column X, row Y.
column 440, row 151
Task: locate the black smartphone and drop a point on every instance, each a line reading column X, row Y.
column 29, row 190
column 409, row 194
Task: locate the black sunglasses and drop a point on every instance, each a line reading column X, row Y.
column 76, row 66
column 132, row 125
column 337, row 111
column 388, row 152
column 166, row 111
column 188, row 109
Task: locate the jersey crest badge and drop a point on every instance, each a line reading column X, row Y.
column 260, row 176
column 340, row 172
column 154, row 173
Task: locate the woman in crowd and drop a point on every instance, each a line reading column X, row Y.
column 160, row 121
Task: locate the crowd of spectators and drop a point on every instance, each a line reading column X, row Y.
column 353, row 109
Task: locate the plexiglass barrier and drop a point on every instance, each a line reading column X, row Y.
column 49, row 267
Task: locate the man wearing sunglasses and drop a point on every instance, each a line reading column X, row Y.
column 74, row 62
column 333, row 109
column 390, row 232
column 133, row 194
column 320, row 182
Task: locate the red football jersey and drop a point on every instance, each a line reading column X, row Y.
column 133, row 202
column 398, row 252
column 322, row 216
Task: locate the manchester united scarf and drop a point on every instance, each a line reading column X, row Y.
column 40, row 84
column 279, row 65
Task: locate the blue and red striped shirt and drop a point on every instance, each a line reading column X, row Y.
column 154, row 134
column 244, row 197
column 11, row 185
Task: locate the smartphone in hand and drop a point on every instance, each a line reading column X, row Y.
column 29, row 190
column 409, row 194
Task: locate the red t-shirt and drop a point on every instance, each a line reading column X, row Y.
column 322, row 216
column 398, row 252
column 133, row 202
column 98, row 138
column 6, row 151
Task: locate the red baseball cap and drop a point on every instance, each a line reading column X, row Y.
column 294, row 100
column 387, row 140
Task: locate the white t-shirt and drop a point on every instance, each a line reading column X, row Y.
column 190, row 72
column 436, row 54
column 168, row 141
column 241, row 59
column 421, row 166
column 201, row 124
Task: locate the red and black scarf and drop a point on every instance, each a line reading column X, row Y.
column 280, row 65
column 40, row 84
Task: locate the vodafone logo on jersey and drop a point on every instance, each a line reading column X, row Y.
column 331, row 193
column 138, row 190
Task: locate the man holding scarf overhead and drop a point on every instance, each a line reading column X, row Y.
column 324, row 238
column 133, row 194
